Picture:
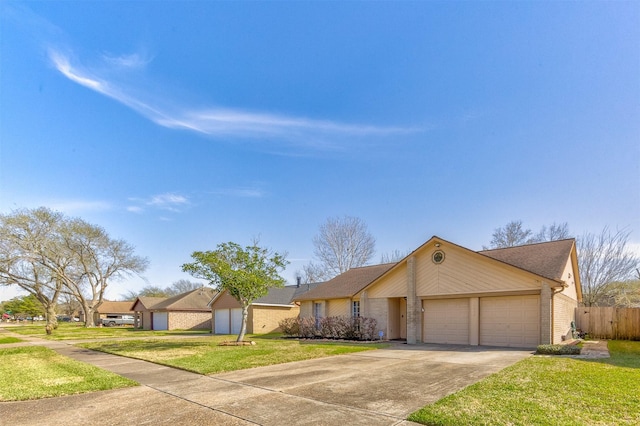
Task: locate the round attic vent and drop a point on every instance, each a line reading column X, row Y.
column 438, row 256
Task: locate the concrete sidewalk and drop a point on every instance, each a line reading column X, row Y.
column 378, row 387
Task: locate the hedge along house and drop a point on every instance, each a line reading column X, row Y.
column 264, row 315
column 444, row 293
column 186, row 311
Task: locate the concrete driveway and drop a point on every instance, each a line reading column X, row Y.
column 378, row 387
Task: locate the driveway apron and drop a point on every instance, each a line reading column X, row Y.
column 379, row 387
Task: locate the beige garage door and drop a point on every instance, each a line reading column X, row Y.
column 512, row 321
column 446, row 321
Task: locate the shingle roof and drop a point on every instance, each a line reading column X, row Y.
column 346, row 284
column 149, row 302
column 546, row 259
column 194, row 300
column 109, row 307
column 284, row 295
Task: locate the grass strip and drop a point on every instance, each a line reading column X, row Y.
column 77, row 331
column 35, row 372
column 9, row 339
column 549, row 391
column 204, row 356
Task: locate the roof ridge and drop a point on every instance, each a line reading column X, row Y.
column 528, row 244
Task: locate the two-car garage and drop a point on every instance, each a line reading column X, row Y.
column 227, row 321
column 510, row 321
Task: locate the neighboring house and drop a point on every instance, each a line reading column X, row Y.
column 109, row 308
column 186, row 311
column 444, row 293
column 264, row 313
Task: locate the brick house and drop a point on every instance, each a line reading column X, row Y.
column 264, row 313
column 186, row 311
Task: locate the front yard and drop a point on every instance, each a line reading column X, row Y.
column 540, row 390
column 77, row 331
column 549, row 391
column 34, row 372
column 205, row 356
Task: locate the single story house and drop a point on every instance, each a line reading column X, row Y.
column 186, row 311
column 264, row 315
column 109, row 308
column 445, row 293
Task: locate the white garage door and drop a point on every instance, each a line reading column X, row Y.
column 222, row 321
column 446, row 321
column 236, row 320
column 160, row 321
column 510, row 321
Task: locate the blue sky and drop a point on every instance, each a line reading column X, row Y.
column 180, row 125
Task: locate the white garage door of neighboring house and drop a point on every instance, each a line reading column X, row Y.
column 221, row 321
column 236, row 320
column 510, row 321
column 160, row 321
column 446, row 321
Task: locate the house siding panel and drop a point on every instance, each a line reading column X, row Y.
column 463, row 273
column 394, row 284
column 567, row 277
column 337, row 307
column 306, row 309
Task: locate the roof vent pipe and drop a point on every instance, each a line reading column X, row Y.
column 298, row 280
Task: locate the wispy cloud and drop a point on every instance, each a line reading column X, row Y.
column 171, row 202
column 130, row 61
column 214, row 121
column 168, row 201
column 240, row 192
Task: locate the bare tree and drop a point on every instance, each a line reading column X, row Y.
column 183, row 286
column 341, row 244
column 28, row 256
column 604, row 260
column 95, row 259
column 553, row 233
column 393, row 257
column 178, row 287
column 514, row 234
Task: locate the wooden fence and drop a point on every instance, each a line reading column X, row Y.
column 609, row 323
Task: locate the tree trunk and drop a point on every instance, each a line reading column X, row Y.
column 243, row 328
column 89, row 311
column 52, row 320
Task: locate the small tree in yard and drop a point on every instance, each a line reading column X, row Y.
column 246, row 273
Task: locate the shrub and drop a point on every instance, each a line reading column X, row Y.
column 341, row 327
column 307, row 327
column 290, row 327
column 558, row 350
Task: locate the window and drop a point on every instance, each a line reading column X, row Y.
column 355, row 309
column 438, row 256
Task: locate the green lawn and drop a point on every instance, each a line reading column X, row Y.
column 34, row 372
column 204, row 356
column 9, row 339
column 549, row 391
column 77, row 331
